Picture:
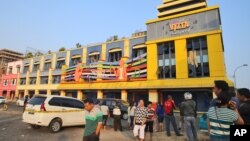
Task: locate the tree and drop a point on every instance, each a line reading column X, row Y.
column 62, row 49
column 29, row 55
column 49, row 52
column 78, row 45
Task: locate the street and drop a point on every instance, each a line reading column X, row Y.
column 13, row 129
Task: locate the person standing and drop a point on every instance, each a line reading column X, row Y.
column 150, row 119
column 26, row 99
column 117, row 118
column 188, row 107
column 169, row 106
column 140, row 120
column 105, row 113
column 244, row 110
column 160, row 116
column 220, row 117
column 93, row 117
column 131, row 114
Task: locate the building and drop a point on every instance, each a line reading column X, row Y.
column 9, row 80
column 8, row 56
column 182, row 50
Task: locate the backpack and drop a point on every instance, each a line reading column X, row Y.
column 169, row 106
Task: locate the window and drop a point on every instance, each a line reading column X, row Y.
column 13, row 82
column 44, row 80
column 198, row 65
column 115, row 56
column 10, row 70
column 67, row 103
column 94, row 58
column 32, row 80
column 38, row 100
column 59, row 64
column 55, row 102
column 18, row 68
column 36, row 67
column 25, row 69
column 166, row 60
column 22, row 81
column 56, row 79
column 47, row 66
column 5, row 82
column 75, row 61
column 78, row 104
column 138, row 52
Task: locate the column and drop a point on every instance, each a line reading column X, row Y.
column 181, row 59
column 153, row 96
column 99, row 94
column 80, row 95
column 126, row 48
column 124, row 95
column 26, row 92
column 36, row 91
column 62, row 93
column 84, row 55
column 103, row 55
column 152, row 61
column 48, row 92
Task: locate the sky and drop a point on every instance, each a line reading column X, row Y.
column 50, row 24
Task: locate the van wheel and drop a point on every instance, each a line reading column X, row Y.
column 35, row 126
column 55, row 125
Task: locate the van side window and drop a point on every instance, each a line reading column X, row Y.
column 67, row 103
column 78, row 104
column 55, row 102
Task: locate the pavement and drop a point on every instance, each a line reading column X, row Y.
column 13, row 129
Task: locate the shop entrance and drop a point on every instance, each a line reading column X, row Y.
column 71, row 94
column 31, row 93
column 136, row 95
column 90, row 94
column 112, row 94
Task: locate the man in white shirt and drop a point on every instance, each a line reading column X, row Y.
column 105, row 113
column 117, row 118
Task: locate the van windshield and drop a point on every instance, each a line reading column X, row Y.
column 37, row 100
column 1, row 97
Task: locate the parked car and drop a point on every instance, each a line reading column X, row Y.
column 20, row 102
column 2, row 100
column 112, row 102
column 54, row 112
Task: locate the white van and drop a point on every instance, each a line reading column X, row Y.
column 54, row 112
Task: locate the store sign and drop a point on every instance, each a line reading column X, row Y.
column 190, row 24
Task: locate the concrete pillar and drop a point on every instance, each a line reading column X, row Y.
column 26, row 92
column 48, row 92
column 153, row 96
column 99, row 94
column 62, row 93
column 124, row 95
column 79, row 95
column 36, row 91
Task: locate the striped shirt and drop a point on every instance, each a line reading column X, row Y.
column 151, row 114
column 220, row 121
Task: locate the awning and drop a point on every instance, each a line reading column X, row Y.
column 60, row 59
column 47, row 61
column 139, row 46
column 115, row 50
column 94, row 53
column 76, row 56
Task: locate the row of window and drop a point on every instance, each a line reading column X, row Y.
column 56, row 79
column 10, row 69
column 12, row 82
column 47, row 66
column 198, row 65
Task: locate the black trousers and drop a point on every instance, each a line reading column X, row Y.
column 149, row 126
column 92, row 137
column 117, row 122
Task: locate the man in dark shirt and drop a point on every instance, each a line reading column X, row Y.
column 244, row 97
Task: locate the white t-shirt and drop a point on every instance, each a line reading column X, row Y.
column 116, row 111
column 131, row 111
column 104, row 109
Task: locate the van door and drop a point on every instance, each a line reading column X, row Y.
column 80, row 116
column 68, row 112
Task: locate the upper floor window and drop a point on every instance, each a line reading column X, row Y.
column 198, row 65
column 18, row 68
column 32, row 80
column 22, row 81
column 56, row 79
column 94, row 57
column 5, row 82
column 36, row 67
column 25, row 69
column 13, row 82
column 59, row 64
column 10, row 70
column 166, row 60
column 44, row 80
column 47, row 66
column 75, row 60
column 115, row 55
column 138, row 52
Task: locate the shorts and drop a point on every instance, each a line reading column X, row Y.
column 160, row 119
column 139, row 130
column 149, row 126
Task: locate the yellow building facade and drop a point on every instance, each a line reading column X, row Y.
column 182, row 50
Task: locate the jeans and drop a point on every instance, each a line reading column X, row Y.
column 132, row 121
column 168, row 119
column 191, row 132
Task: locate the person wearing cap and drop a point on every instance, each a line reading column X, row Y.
column 117, row 118
column 93, row 117
column 189, row 112
column 244, row 110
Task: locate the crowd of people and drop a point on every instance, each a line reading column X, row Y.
column 225, row 110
